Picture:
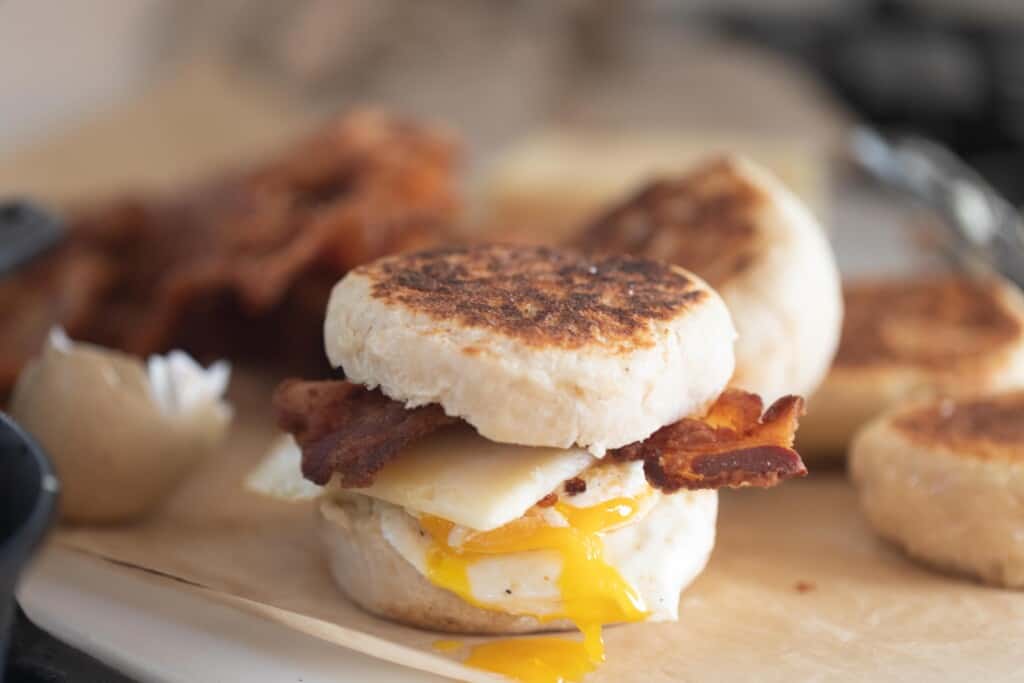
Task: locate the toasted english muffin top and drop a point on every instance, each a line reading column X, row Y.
column 934, row 323
column 535, row 345
column 705, row 221
column 540, row 296
column 984, row 428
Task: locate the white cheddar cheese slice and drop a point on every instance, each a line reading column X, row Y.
column 461, row 476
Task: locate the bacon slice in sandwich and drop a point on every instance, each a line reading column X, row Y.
column 352, row 431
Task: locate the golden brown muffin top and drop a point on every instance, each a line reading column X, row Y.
column 935, row 323
column 542, row 296
column 704, row 221
column 986, row 428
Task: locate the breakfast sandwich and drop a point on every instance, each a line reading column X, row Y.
column 528, row 439
column 735, row 225
column 903, row 338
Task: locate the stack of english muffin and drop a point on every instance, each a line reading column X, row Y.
column 926, row 398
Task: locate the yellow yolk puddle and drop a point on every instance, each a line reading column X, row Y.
column 593, row 592
column 533, row 660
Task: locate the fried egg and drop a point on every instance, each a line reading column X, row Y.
column 618, row 552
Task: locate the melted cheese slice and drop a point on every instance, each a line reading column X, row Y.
column 458, row 475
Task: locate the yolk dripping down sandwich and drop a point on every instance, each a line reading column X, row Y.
column 529, row 439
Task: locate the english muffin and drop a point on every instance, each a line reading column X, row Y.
column 904, row 338
column 944, row 479
column 751, row 239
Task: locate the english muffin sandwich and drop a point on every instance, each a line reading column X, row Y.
column 528, row 439
column 735, row 225
column 907, row 338
column 944, row 479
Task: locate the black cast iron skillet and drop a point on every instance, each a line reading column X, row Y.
column 28, row 499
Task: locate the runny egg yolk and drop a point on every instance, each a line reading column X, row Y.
column 593, row 593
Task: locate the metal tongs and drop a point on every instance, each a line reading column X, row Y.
column 986, row 230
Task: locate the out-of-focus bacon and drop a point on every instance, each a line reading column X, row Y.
column 347, row 429
column 350, row 430
column 732, row 446
column 242, row 264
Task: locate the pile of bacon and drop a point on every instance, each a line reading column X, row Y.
column 347, row 430
column 241, row 265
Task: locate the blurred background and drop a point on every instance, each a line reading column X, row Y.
column 148, row 93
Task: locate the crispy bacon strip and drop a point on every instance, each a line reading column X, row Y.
column 732, row 446
column 348, row 429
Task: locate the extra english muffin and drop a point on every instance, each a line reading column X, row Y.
column 751, row 239
column 944, row 479
column 903, row 338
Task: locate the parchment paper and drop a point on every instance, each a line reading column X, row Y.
column 797, row 588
